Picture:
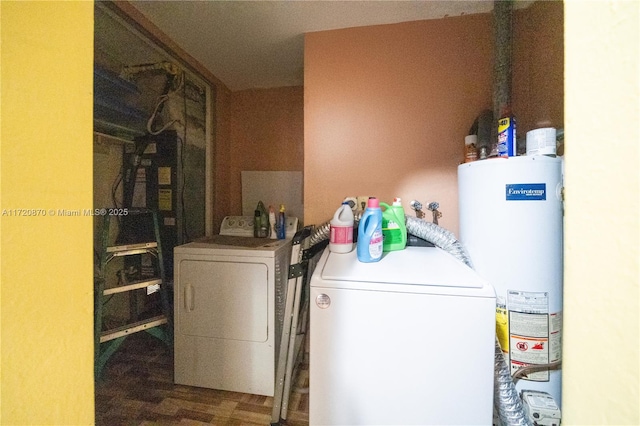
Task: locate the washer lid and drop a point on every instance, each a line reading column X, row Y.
column 423, row 266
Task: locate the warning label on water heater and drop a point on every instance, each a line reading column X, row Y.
column 534, row 334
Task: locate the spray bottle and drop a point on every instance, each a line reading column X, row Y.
column 272, row 223
column 507, row 134
column 260, row 222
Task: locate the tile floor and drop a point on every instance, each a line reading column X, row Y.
column 137, row 389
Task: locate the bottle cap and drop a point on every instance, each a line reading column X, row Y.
column 373, row 202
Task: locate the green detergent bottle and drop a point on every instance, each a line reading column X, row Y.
column 394, row 226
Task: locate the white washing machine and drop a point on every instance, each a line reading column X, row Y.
column 408, row 340
column 229, row 294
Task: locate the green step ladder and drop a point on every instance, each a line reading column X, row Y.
column 140, row 236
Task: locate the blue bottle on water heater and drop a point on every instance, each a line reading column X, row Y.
column 369, row 247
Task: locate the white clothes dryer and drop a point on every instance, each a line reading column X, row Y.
column 229, row 294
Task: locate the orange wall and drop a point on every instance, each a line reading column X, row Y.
column 386, row 110
column 387, row 107
column 266, row 134
column 222, row 158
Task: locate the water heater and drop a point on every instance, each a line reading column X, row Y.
column 511, row 223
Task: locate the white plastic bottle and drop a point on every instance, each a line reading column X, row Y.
column 272, row 223
column 341, row 230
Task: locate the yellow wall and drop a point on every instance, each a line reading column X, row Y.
column 600, row 359
column 46, row 305
column 46, row 261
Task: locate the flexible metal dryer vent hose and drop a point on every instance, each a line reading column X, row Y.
column 439, row 237
column 428, row 231
column 506, row 400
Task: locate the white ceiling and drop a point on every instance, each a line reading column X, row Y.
column 260, row 44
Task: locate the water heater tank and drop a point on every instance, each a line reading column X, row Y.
column 511, row 224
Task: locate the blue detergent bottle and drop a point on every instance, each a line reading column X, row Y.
column 369, row 247
column 281, row 224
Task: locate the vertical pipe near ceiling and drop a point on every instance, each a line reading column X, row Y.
column 507, row 402
column 502, row 23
